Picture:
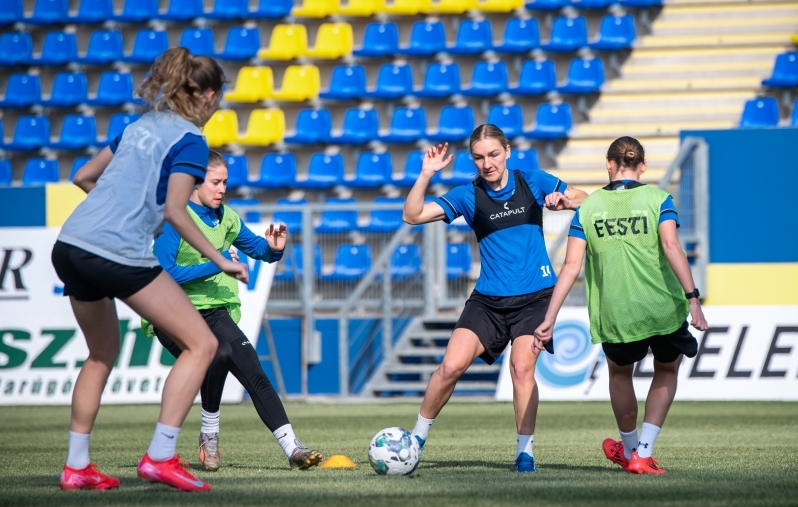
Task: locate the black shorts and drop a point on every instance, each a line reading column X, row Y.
column 666, row 348
column 89, row 277
column 498, row 320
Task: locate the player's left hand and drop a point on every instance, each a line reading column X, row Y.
column 543, row 334
column 276, row 237
column 557, row 201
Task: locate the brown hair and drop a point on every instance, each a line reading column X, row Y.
column 216, row 159
column 626, row 152
column 488, row 131
column 177, row 81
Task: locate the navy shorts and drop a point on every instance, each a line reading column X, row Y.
column 666, row 348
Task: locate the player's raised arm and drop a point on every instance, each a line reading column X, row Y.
column 416, row 211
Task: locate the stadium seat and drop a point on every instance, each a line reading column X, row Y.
column 473, row 37
column 248, row 216
column 785, row 71
column 76, row 165
column 351, row 263
column 199, row 41
column 93, row 11
column 228, row 9
column 333, row 40
column 591, row 4
column 237, row 170
column 48, row 12
column 393, row 81
column 286, row 42
column 105, row 46
column 441, row 80
column 463, row 170
column 222, row 128
column 567, row 34
column 265, row 127
column 338, row 221
column 379, row 39
column 69, row 89
column 115, row 88
column 292, row 219
column 412, row 170
column 116, row 126
column 793, row 118
column 615, row 33
column 372, row 170
column 405, row 7
column 406, row 261
column 271, row 9
column 138, row 11
column 525, row 160
column 520, row 36
column 458, row 260
column 77, row 132
column 408, row 125
column 313, row 126
column 147, row 46
column 300, row 82
column 499, row 5
column 253, row 84
column 183, row 10
column 450, row 6
column 277, row 170
column 315, row 9
column 545, row 5
column 360, row 126
column 760, row 112
column 426, row 39
column 286, row 274
column 59, row 48
column 362, row 8
column 6, row 174
column 16, row 48
column 454, row 124
column 10, row 13
column 242, row 43
column 40, row 171
column 640, row 4
column 324, row 171
column 487, row 79
column 384, row 220
column 22, row 90
column 347, row 82
column 552, row 121
column 536, row 78
column 584, row 76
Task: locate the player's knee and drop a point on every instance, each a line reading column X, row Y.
column 523, row 369
column 206, row 349
column 451, row 370
column 224, row 352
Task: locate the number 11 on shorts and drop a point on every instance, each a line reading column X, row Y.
column 546, row 270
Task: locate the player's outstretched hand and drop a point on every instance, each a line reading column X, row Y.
column 698, row 320
column 276, row 236
column 236, row 269
column 557, row 201
column 435, row 159
column 543, row 334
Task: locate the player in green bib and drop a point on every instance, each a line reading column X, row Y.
column 639, row 293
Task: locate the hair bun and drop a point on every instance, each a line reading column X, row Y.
column 630, row 155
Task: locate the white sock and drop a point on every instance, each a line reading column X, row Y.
column 524, row 444
column 422, row 427
column 286, row 438
column 78, row 453
column 629, row 442
column 648, row 435
column 164, row 442
column 210, row 422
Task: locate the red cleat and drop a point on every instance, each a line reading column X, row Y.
column 638, row 465
column 87, row 478
column 170, row 472
column 614, row 451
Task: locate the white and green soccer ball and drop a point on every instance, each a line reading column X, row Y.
column 394, row 451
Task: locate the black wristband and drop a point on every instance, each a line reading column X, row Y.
column 691, row 295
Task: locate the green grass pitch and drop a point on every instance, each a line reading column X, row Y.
column 716, row 454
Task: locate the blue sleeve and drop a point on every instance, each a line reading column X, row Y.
column 545, row 181
column 254, row 246
column 668, row 211
column 457, row 202
column 190, row 156
column 114, row 144
column 576, row 230
column 165, row 250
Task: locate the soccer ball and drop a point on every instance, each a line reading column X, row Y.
column 394, row 451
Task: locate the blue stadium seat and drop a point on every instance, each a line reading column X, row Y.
column 147, row 46
column 93, row 11
column 286, row 274
column 567, row 34
column 324, row 171
column 584, row 76
column 372, row 170
column 6, row 173
column 59, row 48
column 408, row 125
column 454, row 124
column 271, row 9
column 11, row 12
column 508, row 118
column 76, row 165
column 487, row 79
column 338, row 221
column 785, row 71
column 346, row 82
column 291, row 219
column 312, row 127
column 183, row 10
column 545, row 5
column 458, row 260
column 229, row 9
column 440, row 80
column 393, row 81
column 199, row 41
column 412, row 169
column 406, row 261
column 760, row 112
column 105, row 46
column 116, row 125
column 552, row 121
column 351, row 263
column 40, row 171
column 525, row 160
column 536, row 78
column 31, row 133
column 48, row 12
column 277, row 170
column 69, row 89
column 242, row 44
column 520, row 36
column 426, row 39
column 16, row 48
column 115, row 88
column 473, row 37
column 251, row 217
column 360, row 126
column 379, row 39
column 463, row 170
column 640, row 4
column 237, row 170
column 591, row 4
column 384, row 220
column 22, row 90
column 138, row 11
column 615, row 33
column 77, row 132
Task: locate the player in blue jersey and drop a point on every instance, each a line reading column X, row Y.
column 104, row 252
column 505, row 209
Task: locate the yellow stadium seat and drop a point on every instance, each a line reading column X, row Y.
column 287, row 42
column 406, row 7
column 499, row 5
column 362, row 8
column 300, row 82
column 333, row 40
column 316, row 9
column 222, row 128
column 253, row 84
column 265, row 127
column 451, row 6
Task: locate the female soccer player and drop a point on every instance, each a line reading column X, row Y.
column 104, row 252
column 215, row 295
column 505, row 209
column 639, row 292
